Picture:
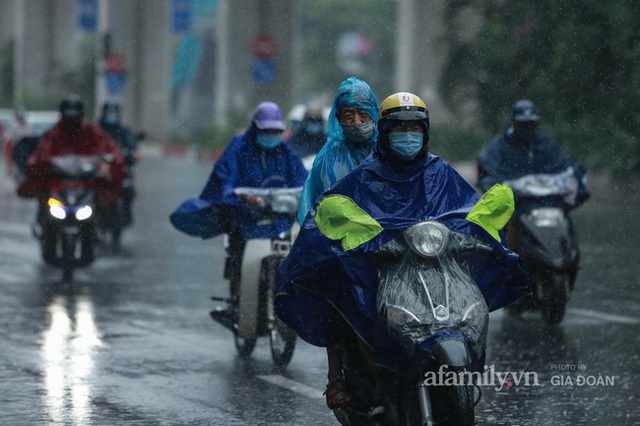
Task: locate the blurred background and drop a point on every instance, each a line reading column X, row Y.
column 191, row 71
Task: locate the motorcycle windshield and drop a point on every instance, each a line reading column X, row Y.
column 563, row 185
column 419, row 296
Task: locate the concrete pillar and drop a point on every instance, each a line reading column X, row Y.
column 405, row 45
column 36, row 47
column 430, row 56
column 154, row 59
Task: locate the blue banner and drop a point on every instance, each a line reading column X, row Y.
column 88, row 18
column 182, row 15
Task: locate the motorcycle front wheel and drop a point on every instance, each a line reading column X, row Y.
column 244, row 346
column 554, row 304
column 453, row 405
column 283, row 343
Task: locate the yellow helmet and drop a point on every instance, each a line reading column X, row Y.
column 403, row 106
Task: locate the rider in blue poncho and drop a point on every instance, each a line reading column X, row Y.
column 351, row 135
column 328, row 280
column 257, row 158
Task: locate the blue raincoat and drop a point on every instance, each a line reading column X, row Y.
column 322, row 280
column 338, row 157
column 508, row 157
column 243, row 164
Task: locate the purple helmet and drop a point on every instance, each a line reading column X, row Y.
column 268, row 116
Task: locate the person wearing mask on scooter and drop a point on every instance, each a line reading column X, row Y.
column 309, row 137
column 256, row 158
column 328, row 287
column 127, row 141
column 351, row 135
column 73, row 135
column 522, row 150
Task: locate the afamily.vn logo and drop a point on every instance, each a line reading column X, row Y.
column 489, row 377
column 503, row 380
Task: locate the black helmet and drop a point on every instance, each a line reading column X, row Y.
column 72, row 107
column 524, row 110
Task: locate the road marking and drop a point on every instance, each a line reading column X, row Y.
column 281, row 381
column 608, row 317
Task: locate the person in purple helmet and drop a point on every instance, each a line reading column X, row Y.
column 256, row 158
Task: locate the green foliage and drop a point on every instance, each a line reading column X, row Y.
column 323, row 24
column 578, row 60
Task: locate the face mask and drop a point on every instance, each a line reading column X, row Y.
column 268, row 141
column 111, row 119
column 314, row 128
column 358, row 133
column 406, row 145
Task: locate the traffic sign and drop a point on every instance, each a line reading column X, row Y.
column 264, row 46
column 263, row 71
column 115, row 63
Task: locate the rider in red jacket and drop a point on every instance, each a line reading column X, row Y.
column 72, row 135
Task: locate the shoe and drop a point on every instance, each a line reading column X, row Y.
column 337, row 394
column 221, row 313
column 377, row 409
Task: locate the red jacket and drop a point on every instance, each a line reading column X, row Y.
column 89, row 141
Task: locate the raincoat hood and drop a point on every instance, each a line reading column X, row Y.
column 338, row 157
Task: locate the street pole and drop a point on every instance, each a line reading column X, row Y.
column 221, row 110
column 405, row 45
column 18, row 53
column 101, row 34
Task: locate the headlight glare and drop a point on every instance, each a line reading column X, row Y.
column 427, row 238
column 57, row 209
column 84, row 212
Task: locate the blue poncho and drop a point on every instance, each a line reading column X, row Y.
column 321, row 279
column 339, row 157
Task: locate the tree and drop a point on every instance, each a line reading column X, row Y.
column 325, row 22
column 577, row 59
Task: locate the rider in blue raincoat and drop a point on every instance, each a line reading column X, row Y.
column 351, row 135
column 522, row 150
column 328, row 277
column 257, row 158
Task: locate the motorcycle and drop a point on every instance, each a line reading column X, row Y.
column 431, row 305
column 120, row 216
column 67, row 226
column 251, row 315
column 546, row 240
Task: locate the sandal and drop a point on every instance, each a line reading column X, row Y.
column 377, row 409
column 337, row 394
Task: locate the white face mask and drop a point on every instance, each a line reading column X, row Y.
column 406, row 145
column 359, row 133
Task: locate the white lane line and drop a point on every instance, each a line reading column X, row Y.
column 607, row 317
column 293, row 386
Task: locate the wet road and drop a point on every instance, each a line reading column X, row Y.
column 130, row 342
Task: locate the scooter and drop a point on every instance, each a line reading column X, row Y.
column 546, row 240
column 67, row 226
column 251, row 315
column 430, row 303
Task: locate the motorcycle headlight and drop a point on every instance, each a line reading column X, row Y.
column 84, row 212
column 427, row 238
column 57, row 209
column 284, row 203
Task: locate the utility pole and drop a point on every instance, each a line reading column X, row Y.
column 102, row 44
column 221, row 105
column 18, row 53
column 405, row 44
